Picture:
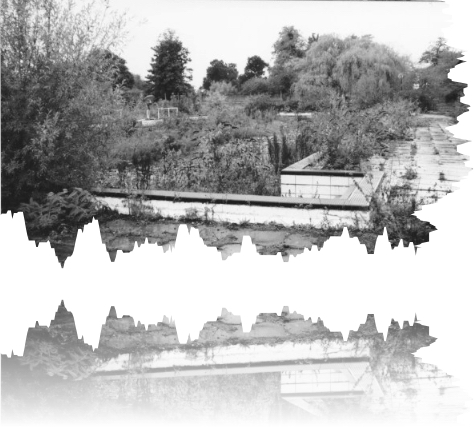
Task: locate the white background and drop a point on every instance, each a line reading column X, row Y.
column 340, row 284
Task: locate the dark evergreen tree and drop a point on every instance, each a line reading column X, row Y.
column 169, row 74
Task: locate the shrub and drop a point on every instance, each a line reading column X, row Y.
column 345, row 137
column 55, row 95
column 215, row 101
column 261, row 103
column 223, row 88
column 393, row 208
column 76, row 207
column 410, row 174
column 188, row 104
column 255, row 86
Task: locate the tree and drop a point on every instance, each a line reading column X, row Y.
column 290, row 44
column 138, row 82
column 115, row 66
column 120, row 73
column 289, row 47
column 255, row 68
column 433, row 54
column 436, row 87
column 219, row 71
column 355, row 68
column 169, row 74
column 53, row 133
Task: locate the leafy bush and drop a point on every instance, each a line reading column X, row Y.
column 55, row 95
column 255, row 86
column 393, row 208
column 261, row 103
column 215, row 101
column 76, row 207
column 188, row 104
column 223, row 166
column 223, row 87
column 344, row 137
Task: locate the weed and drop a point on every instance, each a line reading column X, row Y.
column 393, row 208
column 138, row 207
column 356, row 221
column 208, row 214
column 410, row 173
column 76, row 207
column 191, row 214
column 325, row 223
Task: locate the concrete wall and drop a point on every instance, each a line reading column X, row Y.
column 324, row 186
column 238, row 213
column 306, row 179
column 319, row 352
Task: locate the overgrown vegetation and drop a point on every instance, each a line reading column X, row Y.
column 225, row 159
column 67, row 208
column 393, row 208
column 71, row 111
column 344, row 137
column 58, row 100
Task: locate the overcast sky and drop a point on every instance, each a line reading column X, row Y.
column 235, row 30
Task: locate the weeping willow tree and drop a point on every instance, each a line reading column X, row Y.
column 356, row 69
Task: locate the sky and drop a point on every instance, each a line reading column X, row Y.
column 235, row 30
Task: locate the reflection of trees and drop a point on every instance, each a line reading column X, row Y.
column 68, row 363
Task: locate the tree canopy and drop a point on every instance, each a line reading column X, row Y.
column 52, row 109
column 436, row 87
column 115, row 66
column 120, row 73
column 255, row 68
column 289, row 47
column 435, row 52
column 290, row 44
column 219, row 71
column 357, row 68
column 169, row 74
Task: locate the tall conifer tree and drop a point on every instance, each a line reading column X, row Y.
column 169, row 74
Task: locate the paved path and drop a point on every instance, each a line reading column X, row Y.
column 430, row 164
